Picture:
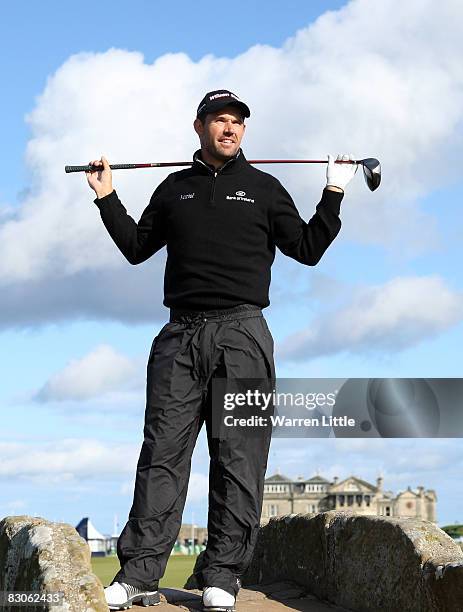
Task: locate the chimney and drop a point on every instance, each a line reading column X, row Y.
column 379, row 483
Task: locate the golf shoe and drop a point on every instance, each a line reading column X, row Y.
column 121, row 596
column 217, row 600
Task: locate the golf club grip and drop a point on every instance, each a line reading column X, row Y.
column 68, row 169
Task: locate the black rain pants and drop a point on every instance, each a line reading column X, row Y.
column 187, row 353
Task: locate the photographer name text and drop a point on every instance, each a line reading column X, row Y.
column 284, row 421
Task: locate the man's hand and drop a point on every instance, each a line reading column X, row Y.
column 338, row 175
column 100, row 180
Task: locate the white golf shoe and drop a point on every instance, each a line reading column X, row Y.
column 121, row 596
column 217, row 600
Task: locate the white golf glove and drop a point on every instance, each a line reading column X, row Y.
column 338, row 175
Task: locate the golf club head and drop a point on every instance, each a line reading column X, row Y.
column 371, row 172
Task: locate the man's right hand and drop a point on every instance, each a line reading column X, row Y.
column 100, row 180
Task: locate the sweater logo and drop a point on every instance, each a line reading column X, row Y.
column 240, row 195
column 187, row 196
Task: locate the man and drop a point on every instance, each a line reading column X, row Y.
column 220, row 220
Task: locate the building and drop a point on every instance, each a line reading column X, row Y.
column 99, row 544
column 191, row 539
column 190, row 532
column 283, row 495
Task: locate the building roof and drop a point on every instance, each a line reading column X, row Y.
column 318, row 479
column 87, row 530
column 277, row 478
column 339, row 484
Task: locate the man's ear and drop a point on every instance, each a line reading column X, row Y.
column 199, row 127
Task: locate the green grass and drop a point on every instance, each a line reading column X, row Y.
column 453, row 531
column 179, row 568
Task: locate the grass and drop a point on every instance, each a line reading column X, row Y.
column 453, row 531
column 179, row 568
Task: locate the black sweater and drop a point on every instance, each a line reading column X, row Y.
column 221, row 228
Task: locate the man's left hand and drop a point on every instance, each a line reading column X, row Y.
column 338, row 175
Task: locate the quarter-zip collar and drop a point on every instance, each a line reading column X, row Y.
column 233, row 165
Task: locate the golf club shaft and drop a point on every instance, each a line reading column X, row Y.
column 68, row 169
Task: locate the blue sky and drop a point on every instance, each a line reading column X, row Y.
column 345, row 82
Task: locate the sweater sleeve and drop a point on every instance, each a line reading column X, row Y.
column 136, row 241
column 305, row 242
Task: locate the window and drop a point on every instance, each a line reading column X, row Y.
column 350, row 500
column 273, row 510
column 367, row 500
column 342, row 500
column 276, row 488
column 388, row 511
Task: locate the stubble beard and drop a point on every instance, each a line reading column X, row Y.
column 212, row 149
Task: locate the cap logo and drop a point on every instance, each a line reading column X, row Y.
column 241, row 193
column 223, row 95
column 215, row 100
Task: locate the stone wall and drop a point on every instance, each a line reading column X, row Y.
column 38, row 555
column 363, row 563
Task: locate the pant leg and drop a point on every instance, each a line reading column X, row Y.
column 237, row 463
column 172, row 423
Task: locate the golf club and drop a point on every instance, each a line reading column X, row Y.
column 371, row 167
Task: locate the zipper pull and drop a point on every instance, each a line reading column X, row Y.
column 211, row 197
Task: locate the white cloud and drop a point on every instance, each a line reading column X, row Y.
column 357, row 80
column 131, row 296
column 14, row 506
column 72, row 461
column 401, row 462
column 67, row 460
column 198, row 488
column 101, row 371
column 397, row 315
column 127, row 487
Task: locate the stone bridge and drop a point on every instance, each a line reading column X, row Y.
column 330, row 561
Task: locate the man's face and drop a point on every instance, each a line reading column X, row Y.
column 221, row 133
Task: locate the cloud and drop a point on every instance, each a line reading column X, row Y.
column 198, row 488
column 66, row 461
column 391, row 317
column 401, row 462
column 72, row 462
column 13, row 506
column 369, row 83
column 99, row 372
column 131, row 296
